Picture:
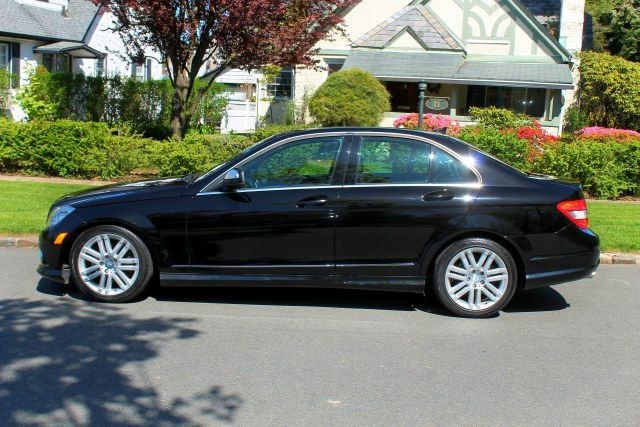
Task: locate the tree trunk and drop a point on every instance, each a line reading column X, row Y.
column 180, row 114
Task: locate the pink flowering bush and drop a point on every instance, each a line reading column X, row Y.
column 600, row 133
column 432, row 122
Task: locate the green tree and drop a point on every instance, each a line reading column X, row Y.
column 623, row 30
column 350, row 97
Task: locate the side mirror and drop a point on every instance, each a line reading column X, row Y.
column 233, row 180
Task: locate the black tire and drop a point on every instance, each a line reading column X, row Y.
column 145, row 272
column 440, row 270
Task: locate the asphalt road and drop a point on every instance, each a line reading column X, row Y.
column 569, row 355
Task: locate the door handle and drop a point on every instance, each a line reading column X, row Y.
column 315, row 201
column 438, row 196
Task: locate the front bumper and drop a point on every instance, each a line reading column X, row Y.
column 54, row 258
column 60, row 275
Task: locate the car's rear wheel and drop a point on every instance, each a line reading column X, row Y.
column 475, row 277
column 111, row 264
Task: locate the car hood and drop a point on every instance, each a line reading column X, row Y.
column 133, row 191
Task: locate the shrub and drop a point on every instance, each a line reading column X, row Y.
column 65, row 148
column 502, row 144
column 194, row 153
column 574, row 119
column 605, row 170
column 88, row 150
column 350, row 97
column 499, row 118
column 145, row 107
column 267, row 131
column 610, row 90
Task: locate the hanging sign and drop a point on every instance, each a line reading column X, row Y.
column 437, row 103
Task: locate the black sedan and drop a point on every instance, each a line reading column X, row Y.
column 377, row 209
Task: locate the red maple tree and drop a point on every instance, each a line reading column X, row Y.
column 245, row 34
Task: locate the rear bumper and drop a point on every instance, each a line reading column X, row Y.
column 568, row 255
column 549, row 278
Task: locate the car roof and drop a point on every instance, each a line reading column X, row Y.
column 447, row 141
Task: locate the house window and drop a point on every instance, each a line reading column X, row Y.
column 5, row 57
column 334, row 65
column 522, row 100
column 56, row 62
column 101, row 64
column 282, row 86
column 138, row 71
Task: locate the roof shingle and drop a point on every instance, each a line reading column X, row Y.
column 40, row 23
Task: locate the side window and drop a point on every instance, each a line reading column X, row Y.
column 385, row 160
column 308, row 162
column 448, row 170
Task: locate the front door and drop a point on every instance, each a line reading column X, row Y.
column 399, row 195
column 282, row 221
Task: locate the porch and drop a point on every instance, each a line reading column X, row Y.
column 456, row 83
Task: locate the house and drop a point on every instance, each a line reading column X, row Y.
column 470, row 53
column 64, row 36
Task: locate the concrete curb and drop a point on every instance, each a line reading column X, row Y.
column 18, row 241
column 32, row 242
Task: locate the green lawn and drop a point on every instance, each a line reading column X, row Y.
column 617, row 224
column 24, row 207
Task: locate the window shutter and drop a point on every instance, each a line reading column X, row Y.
column 134, row 69
column 15, row 63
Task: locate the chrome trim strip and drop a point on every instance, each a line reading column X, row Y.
column 457, row 185
column 322, row 187
column 391, row 264
column 256, row 266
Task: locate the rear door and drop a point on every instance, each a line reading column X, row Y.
column 400, row 194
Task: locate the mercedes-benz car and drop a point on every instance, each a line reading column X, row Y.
column 370, row 209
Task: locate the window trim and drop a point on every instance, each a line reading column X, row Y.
column 350, row 138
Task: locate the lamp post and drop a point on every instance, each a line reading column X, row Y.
column 422, row 86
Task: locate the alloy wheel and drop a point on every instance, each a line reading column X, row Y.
column 108, row 264
column 476, row 278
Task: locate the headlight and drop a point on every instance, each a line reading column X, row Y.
column 58, row 214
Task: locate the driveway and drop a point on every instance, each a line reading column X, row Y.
column 567, row 355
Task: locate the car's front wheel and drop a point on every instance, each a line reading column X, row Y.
column 475, row 277
column 111, row 264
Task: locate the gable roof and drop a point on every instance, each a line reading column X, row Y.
column 33, row 22
column 532, row 23
column 418, row 21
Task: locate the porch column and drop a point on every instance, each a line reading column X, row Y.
column 453, row 108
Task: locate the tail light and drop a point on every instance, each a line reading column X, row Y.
column 576, row 211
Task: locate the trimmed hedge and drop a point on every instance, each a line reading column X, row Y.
column 66, row 148
column 93, row 150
